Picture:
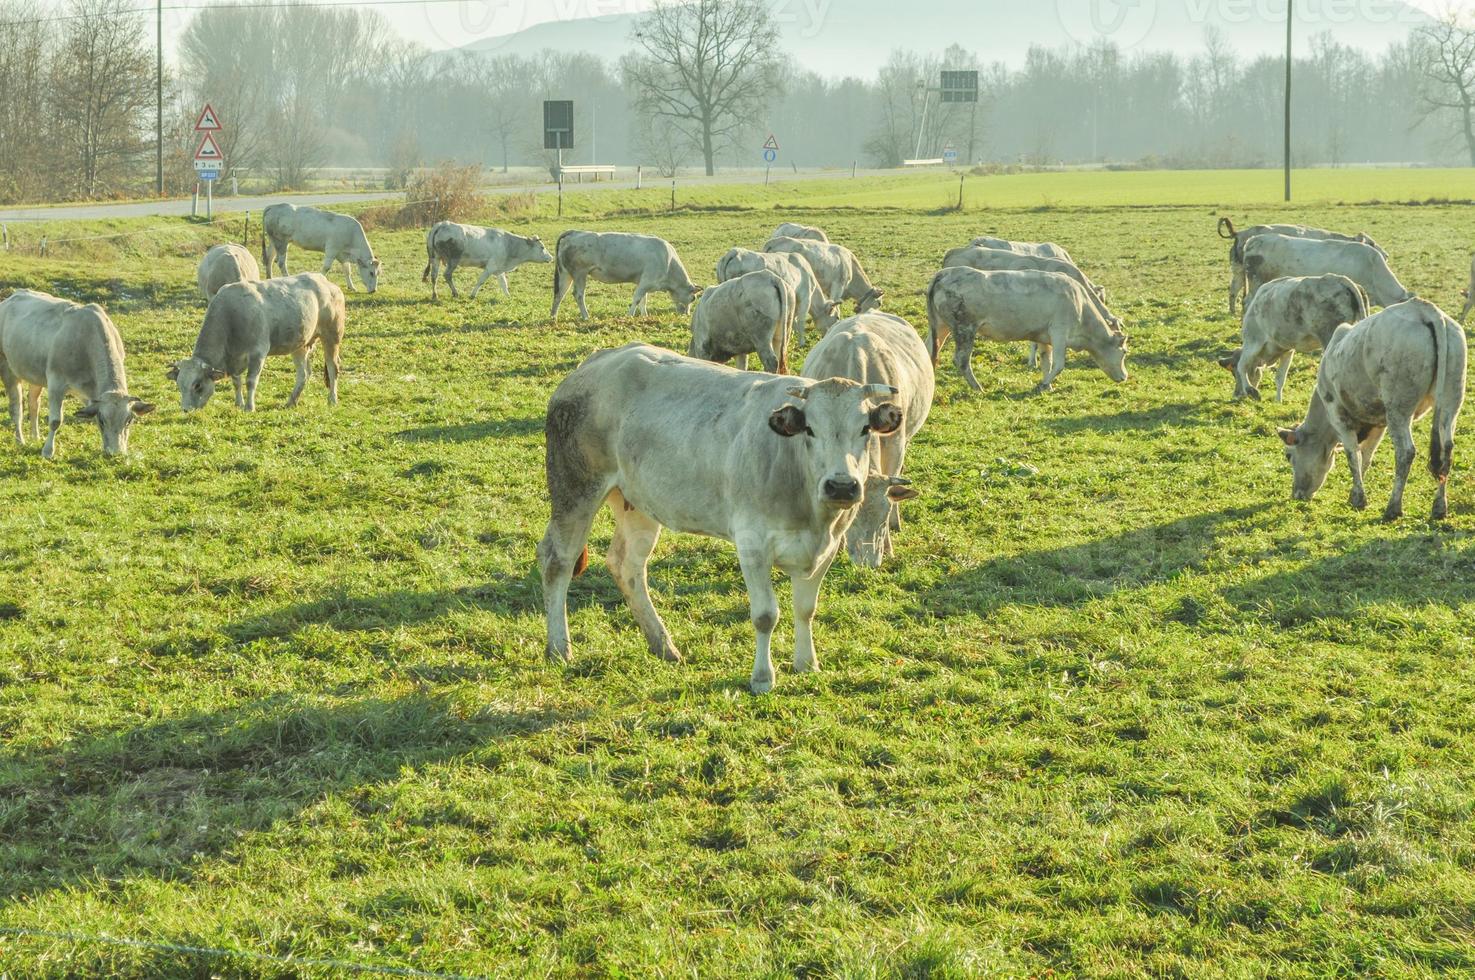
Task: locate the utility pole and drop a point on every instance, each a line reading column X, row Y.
column 1290, row 23
column 159, row 98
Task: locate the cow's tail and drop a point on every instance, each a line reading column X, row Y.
column 786, row 304
column 1225, row 225
column 722, row 268
column 1449, row 394
column 934, row 320
column 558, row 264
column 1363, row 306
column 265, row 240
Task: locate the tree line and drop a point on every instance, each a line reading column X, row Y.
column 300, row 88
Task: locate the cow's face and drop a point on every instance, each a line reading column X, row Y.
column 1310, row 458
column 834, row 425
column 114, row 413
column 1112, row 357
column 827, row 316
column 538, row 250
column 369, row 273
column 684, row 296
column 871, row 300
column 196, row 381
column 869, row 539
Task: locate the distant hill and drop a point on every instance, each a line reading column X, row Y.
column 853, row 37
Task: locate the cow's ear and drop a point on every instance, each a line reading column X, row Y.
column 788, row 421
column 901, row 489
column 173, row 373
column 217, row 375
column 1228, row 361
column 885, row 419
column 1119, row 340
column 141, row 407
column 88, row 411
column 1291, row 437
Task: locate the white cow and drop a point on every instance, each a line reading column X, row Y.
column 250, row 321
column 339, row 237
column 223, row 265
column 1469, row 295
column 1270, row 257
column 1381, row 376
column 1045, row 308
column 491, row 250
column 618, row 257
column 794, row 269
column 986, row 259
column 1238, row 240
column 839, row 272
column 775, row 465
column 790, row 230
column 752, row 314
column 878, row 348
column 58, row 345
column 1286, row 316
column 1048, row 250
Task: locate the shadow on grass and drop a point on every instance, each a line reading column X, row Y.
column 155, row 798
column 1078, row 574
column 1179, row 415
column 1419, row 570
column 473, row 431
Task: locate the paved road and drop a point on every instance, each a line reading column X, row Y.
column 178, row 208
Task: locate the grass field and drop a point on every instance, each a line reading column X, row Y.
column 275, row 683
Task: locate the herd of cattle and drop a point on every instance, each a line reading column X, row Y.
column 805, row 464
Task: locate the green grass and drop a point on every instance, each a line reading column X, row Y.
column 275, row 683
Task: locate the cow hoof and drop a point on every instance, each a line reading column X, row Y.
column 1440, row 511
column 1254, row 394
column 1359, row 501
column 810, row 667
column 1392, row 514
column 556, row 655
column 761, row 685
column 1042, row 389
column 669, row 653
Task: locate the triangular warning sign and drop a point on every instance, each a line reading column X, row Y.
column 772, row 143
column 208, row 122
column 209, row 149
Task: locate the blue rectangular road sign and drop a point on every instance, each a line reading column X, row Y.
column 209, row 175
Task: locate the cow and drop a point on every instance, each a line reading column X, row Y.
column 1290, row 315
column 618, row 257
column 986, row 259
column 794, row 269
column 752, row 314
column 1270, row 257
column 248, row 322
column 1046, row 308
column 776, row 465
column 1382, row 375
column 1048, row 250
column 491, row 250
column 839, row 272
column 223, row 265
column 1238, row 240
column 339, row 237
column 878, row 348
column 790, row 230
column 1469, row 295
column 52, row 343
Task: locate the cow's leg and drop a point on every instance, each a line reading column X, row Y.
column 1033, row 357
column 485, row 275
column 238, row 383
column 332, row 364
column 580, row 284
column 17, row 413
column 638, row 303
column 1056, row 363
column 506, row 290
column 33, row 409
column 564, row 283
column 254, row 365
column 562, row 554
column 1347, row 436
column 347, row 273
column 629, row 551
column 963, row 358
column 303, row 360
column 806, row 601
column 56, row 390
column 451, row 267
column 1401, row 430
column 1370, row 445
column 1247, row 374
column 1282, row 373
column 1236, row 285
column 1469, row 302
column 757, row 569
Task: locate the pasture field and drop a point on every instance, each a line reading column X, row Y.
column 275, row 683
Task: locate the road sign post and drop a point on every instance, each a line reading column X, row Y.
column 209, row 158
column 770, row 154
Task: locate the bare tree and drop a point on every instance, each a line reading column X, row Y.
column 227, row 52
column 708, row 67
column 1448, row 63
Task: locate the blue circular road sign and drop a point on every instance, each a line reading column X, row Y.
column 770, row 155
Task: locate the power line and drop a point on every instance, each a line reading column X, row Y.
column 287, row 4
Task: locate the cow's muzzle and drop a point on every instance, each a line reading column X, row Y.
column 844, row 492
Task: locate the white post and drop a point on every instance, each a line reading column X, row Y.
column 638, row 176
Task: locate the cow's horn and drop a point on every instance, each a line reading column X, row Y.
column 879, row 391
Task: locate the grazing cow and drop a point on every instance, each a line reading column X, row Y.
column 250, row 321
column 1045, row 308
column 223, row 265
column 752, row 314
column 616, row 257
column 1001, row 260
column 339, row 237
column 58, row 345
column 878, row 348
column 1270, row 257
column 491, row 250
column 1048, row 250
column 1381, row 376
column 839, row 272
column 1290, row 315
column 790, row 230
column 1469, row 295
column 794, row 269
column 1238, row 240
column 775, row 465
